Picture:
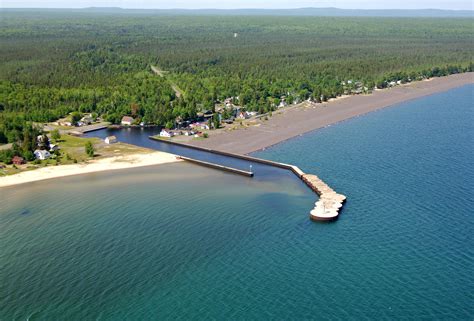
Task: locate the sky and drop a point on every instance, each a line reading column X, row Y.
column 232, row 4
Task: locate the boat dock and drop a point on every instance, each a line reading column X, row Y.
column 328, row 206
column 79, row 131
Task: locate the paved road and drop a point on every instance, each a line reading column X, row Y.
column 161, row 73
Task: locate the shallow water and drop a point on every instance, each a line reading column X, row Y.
column 187, row 242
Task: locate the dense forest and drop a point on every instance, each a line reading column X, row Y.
column 54, row 63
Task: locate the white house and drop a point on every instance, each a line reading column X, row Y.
column 110, row 139
column 127, row 121
column 228, row 102
column 252, row 113
column 42, row 154
column 87, row 119
column 165, row 133
column 189, row 133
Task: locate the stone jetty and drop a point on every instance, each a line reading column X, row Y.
column 325, row 209
column 329, row 203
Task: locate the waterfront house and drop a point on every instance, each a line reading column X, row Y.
column 110, row 139
column 208, row 114
column 199, row 125
column 87, row 120
column 127, row 121
column 228, row 102
column 42, row 154
column 252, row 113
column 17, row 160
column 242, row 115
column 189, row 133
column 166, row 133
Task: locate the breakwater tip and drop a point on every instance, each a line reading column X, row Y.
column 330, row 202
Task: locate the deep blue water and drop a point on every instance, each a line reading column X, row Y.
column 185, row 242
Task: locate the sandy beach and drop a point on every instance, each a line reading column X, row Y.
column 104, row 164
column 296, row 121
column 285, row 124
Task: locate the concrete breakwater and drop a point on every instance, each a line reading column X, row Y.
column 217, row 166
column 328, row 206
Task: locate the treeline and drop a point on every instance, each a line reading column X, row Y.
column 142, row 95
column 25, row 141
column 52, row 64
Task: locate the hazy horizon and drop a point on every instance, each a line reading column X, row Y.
column 243, row 4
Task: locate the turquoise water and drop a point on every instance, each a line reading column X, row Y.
column 184, row 242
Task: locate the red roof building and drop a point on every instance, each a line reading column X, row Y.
column 17, row 160
column 127, row 121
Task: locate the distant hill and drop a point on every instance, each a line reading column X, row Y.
column 321, row 12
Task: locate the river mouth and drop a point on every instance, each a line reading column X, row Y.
column 141, row 137
column 180, row 241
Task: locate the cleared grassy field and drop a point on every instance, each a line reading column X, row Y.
column 72, row 150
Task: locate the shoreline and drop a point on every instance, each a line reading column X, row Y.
column 284, row 125
column 298, row 120
column 93, row 166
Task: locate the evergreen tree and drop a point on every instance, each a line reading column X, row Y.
column 89, row 149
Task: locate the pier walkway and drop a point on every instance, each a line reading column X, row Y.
column 217, row 166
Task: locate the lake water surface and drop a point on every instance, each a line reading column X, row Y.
column 186, row 242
